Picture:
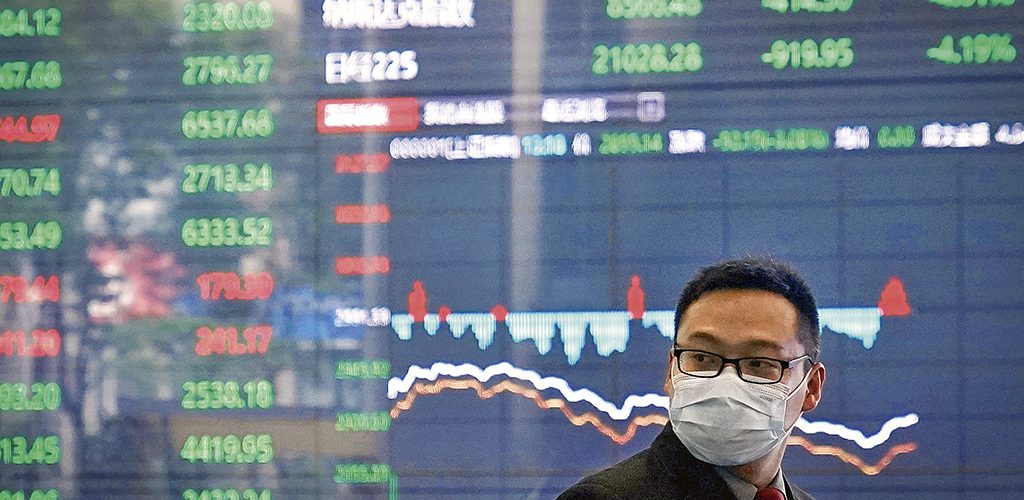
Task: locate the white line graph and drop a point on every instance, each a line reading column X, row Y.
column 398, row 386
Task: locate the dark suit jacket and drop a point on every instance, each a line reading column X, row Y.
column 666, row 470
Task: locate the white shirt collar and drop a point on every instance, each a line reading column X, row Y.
column 746, row 491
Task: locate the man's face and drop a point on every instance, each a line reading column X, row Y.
column 749, row 323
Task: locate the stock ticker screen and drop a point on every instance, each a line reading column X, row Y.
column 431, row 248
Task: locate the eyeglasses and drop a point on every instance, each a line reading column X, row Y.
column 705, row 364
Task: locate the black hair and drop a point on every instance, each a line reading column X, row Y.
column 758, row 273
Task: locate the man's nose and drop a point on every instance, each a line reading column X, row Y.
column 731, row 365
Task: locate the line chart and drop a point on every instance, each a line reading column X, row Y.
column 611, row 329
column 456, row 377
column 866, row 442
column 578, row 420
column 583, row 334
column 850, row 458
column 621, row 438
column 403, row 385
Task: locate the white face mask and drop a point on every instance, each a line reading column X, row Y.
column 726, row 421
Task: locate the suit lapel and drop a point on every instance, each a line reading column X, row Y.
column 794, row 493
column 691, row 478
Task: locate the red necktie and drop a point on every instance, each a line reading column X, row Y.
column 769, row 494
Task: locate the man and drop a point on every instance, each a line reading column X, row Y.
column 743, row 367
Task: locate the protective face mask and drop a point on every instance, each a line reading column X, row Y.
column 726, row 421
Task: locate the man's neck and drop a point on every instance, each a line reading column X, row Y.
column 762, row 471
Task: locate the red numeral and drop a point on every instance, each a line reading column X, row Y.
column 19, row 129
column 16, row 289
column 362, row 214
column 231, row 286
column 362, row 164
column 349, row 265
column 46, row 126
column 257, row 338
column 224, row 340
column 44, row 344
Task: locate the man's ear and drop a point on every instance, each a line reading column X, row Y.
column 815, row 382
column 667, row 387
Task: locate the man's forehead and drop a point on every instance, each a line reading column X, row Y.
column 738, row 305
column 751, row 319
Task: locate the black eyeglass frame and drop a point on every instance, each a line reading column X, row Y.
column 678, row 351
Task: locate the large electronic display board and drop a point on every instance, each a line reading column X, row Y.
column 255, row 249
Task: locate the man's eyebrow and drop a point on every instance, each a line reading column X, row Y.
column 701, row 336
column 764, row 344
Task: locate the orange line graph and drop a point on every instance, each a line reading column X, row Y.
column 544, row 404
column 435, row 388
column 850, row 458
